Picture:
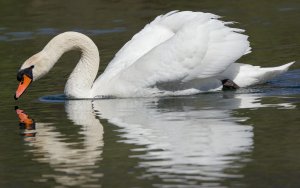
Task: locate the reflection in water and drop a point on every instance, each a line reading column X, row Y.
column 184, row 140
column 73, row 163
column 190, row 141
column 26, row 124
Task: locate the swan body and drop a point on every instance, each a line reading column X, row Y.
column 180, row 53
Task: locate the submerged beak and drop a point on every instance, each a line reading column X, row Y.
column 24, row 83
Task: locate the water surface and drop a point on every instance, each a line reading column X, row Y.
column 247, row 138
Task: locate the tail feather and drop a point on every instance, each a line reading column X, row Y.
column 285, row 67
column 246, row 75
column 272, row 72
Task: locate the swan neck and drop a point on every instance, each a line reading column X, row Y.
column 80, row 82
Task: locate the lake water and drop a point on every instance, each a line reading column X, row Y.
column 246, row 138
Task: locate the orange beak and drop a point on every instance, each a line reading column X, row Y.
column 23, row 85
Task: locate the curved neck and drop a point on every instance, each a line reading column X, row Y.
column 81, row 79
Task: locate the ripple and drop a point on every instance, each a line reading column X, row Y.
column 6, row 35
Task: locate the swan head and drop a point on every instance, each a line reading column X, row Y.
column 32, row 69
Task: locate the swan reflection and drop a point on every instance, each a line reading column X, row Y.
column 187, row 139
column 73, row 163
column 181, row 139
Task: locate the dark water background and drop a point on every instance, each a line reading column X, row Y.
column 248, row 138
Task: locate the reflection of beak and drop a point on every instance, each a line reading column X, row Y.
column 24, row 118
column 23, row 86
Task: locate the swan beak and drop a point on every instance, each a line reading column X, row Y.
column 23, row 85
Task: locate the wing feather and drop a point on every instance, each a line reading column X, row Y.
column 200, row 48
column 141, row 43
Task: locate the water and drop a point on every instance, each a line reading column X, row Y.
column 247, row 138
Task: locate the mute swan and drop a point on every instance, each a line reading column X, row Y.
column 180, row 53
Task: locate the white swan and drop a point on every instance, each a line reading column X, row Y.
column 180, row 53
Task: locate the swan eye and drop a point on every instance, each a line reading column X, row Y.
column 27, row 71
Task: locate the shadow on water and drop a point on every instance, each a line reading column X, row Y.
column 217, row 147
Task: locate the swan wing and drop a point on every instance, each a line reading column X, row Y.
column 161, row 29
column 149, row 37
column 202, row 47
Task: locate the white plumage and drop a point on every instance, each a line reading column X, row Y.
column 180, row 53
